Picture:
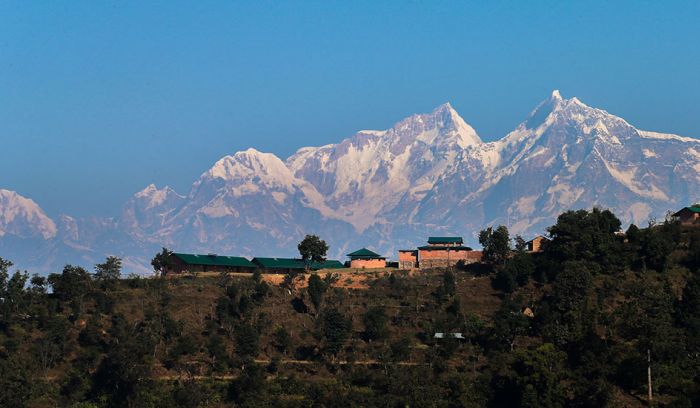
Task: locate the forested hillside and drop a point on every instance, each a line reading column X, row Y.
column 578, row 324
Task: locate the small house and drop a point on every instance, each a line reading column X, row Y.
column 536, row 244
column 366, row 259
column 688, row 215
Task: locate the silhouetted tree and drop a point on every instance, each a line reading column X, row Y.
column 72, row 285
column 335, row 328
column 496, row 243
column 316, row 289
column 313, row 249
column 162, row 262
column 587, row 236
column 109, row 271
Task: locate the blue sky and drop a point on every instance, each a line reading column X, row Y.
column 99, row 99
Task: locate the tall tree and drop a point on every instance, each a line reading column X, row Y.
column 509, row 323
column 587, row 236
column 162, row 262
column 335, row 329
column 109, row 271
column 247, row 341
column 313, row 249
column 13, row 297
column 496, row 243
column 317, row 289
column 72, row 285
column 567, row 315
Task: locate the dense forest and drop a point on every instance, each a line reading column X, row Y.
column 598, row 318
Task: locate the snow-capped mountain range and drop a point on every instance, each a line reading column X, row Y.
column 430, row 174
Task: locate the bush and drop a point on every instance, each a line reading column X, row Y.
column 335, row 330
column 504, row 280
column 375, row 321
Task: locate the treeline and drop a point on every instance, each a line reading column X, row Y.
column 582, row 323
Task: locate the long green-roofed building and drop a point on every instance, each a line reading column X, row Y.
column 194, row 263
column 209, row 263
column 284, row 265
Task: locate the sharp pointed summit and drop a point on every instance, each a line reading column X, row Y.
column 445, row 107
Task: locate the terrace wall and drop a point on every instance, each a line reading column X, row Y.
column 368, row 263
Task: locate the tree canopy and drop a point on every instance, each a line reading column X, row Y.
column 312, row 248
column 496, row 244
column 577, row 324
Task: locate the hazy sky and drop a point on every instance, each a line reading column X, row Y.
column 99, row 99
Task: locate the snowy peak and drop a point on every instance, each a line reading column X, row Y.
column 149, row 209
column 372, row 172
column 452, row 121
column 443, row 126
column 22, row 217
column 447, row 114
column 553, row 105
column 559, row 116
column 251, row 166
column 152, row 196
column 248, row 164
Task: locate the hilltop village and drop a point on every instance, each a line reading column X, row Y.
column 441, row 252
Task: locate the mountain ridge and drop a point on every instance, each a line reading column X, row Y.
column 428, row 174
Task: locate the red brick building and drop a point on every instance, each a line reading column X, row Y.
column 408, row 258
column 439, row 253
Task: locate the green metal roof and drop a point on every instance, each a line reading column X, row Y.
column 691, row 209
column 365, row 253
column 445, row 240
column 293, row 263
column 439, row 248
column 331, row 264
column 214, row 260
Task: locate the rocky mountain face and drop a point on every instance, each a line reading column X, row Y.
column 23, row 218
column 430, row 174
column 565, row 155
column 366, row 176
